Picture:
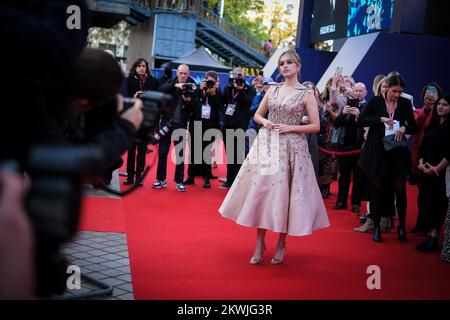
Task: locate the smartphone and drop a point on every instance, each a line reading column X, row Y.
column 432, row 90
column 339, row 70
column 354, row 103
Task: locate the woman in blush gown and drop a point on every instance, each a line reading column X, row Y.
column 276, row 187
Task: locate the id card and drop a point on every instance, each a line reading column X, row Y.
column 393, row 129
column 206, row 111
column 230, row 109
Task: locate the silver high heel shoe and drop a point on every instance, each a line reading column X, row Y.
column 258, row 260
column 279, row 260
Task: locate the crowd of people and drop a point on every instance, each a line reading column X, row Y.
column 375, row 146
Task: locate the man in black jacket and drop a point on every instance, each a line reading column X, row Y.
column 185, row 95
column 237, row 99
column 206, row 116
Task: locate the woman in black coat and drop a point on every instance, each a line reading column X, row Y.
column 387, row 170
column 138, row 81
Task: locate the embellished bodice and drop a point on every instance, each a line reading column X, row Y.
column 290, row 111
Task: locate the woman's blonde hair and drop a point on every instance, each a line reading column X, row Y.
column 292, row 54
column 380, row 84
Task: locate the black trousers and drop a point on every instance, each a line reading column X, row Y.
column 348, row 169
column 204, row 167
column 163, row 152
column 137, row 150
column 382, row 198
column 235, row 155
column 434, row 201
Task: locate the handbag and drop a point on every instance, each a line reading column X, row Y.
column 390, row 143
column 337, row 137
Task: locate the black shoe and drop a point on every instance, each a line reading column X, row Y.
column 377, row 234
column 206, row 184
column 225, row 185
column 326, row 191
column 128, row 181
column 417, row 230
column 189, row 180
column 356, row 208
column 402, row 235
column 429, row 245
column 339, row 206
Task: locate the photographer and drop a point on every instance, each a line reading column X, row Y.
column 138, row 81
column 237, row 99
column 40, row 48
column 185, row 96
column 208, row 116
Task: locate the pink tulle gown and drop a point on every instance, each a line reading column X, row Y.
column 276, row 187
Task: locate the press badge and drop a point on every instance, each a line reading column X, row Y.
column 230, row 109
column 206, row 111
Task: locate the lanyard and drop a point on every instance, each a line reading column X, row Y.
column 234, row 96
column 206, row 96
column 391, row 114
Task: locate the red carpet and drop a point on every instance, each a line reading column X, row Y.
column 181, row 248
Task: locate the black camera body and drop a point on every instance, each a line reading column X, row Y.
column 188, row 89
column 53, row 204
column 239, row 80
column 155, row 103
column 210, row 84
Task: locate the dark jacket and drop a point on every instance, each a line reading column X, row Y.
column 374, row 160
column 436, row 136
column 352, row 132
column 215, row 102
column 188, row 109
column 134, row 85
column 243, row 100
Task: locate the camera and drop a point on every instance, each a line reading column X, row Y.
column 162, row 132
column 155, row 103
column 188, row 89
column 53, row 204
column 238, row 80
column 210, row 84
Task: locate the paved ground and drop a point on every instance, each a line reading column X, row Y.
column 102, row 256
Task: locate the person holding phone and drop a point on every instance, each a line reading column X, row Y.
column 348, row 163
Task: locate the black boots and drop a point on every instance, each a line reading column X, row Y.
column 430, row 244
column 206, row 184
column 402, row 235
column 377, row 233
column 326, row 191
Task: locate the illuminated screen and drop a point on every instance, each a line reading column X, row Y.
column 365, row 16
column 329, row 20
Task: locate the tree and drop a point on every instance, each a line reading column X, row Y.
column 282, row 30
column 117, row 35
column 238, row 11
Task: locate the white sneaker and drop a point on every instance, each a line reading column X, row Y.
column 159, row 184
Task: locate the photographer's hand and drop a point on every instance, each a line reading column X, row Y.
column 133, row 114
column 16, row 241
column 186, row 99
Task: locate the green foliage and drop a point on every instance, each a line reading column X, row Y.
column 236, row 11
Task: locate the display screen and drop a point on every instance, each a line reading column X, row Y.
column 365, row 16
column 329, row 20
column 334, row 19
